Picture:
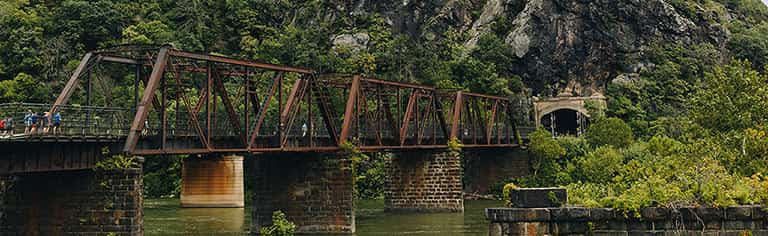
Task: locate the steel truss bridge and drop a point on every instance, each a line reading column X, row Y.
column 156, row 100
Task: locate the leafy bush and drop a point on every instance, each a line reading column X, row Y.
column 506, row 191
column 280, row 226
column 115, row 161
column 609, row 131
column 599, row 166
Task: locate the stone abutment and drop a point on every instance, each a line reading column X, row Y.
column 84, row 202
column 424, row 181
column 314, row 190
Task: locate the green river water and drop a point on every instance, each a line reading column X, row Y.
column 165, row 217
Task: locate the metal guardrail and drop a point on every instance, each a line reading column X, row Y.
column 75, row 120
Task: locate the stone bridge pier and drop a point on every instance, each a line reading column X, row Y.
column 56, row 191
column 212, row 181
column 485, row 169
column 314, row 190
column 424, row 181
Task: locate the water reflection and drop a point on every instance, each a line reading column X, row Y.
column 164, row 216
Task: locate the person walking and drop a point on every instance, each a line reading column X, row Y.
column 56, row 123
column 45, row 122
column 33, row 121
column 28, row 122
column 9, row 126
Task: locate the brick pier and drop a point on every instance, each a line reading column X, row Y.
column 72, row 202
column 314, row 190
column 484, row 169
column 424, row 181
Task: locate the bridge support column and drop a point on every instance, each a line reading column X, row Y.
column 212, row 182
column 79, row 202
column 484, row 169
column 314, row 190
column 424, row 181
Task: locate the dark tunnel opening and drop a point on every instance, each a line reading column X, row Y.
column 565, row 122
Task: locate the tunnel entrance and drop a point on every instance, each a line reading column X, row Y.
column 565, row 122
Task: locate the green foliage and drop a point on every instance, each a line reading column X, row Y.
column 115, row 161
column 505, row 193
column 455, row 145
column 731, row 98
column 599, row 165
column 545, row 162
column 152, row 32
column 370, row 176
column 660, row 89
column 162, row 176
column 369, row 173
column 280, row 226
column 609, row 131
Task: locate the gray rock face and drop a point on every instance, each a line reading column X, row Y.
column 589, row 41
column 355, row 42
column 574, row 45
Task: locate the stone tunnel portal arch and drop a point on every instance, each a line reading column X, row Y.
column 565, row 115
column 565, row 122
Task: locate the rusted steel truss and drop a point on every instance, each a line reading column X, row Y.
column 189, row 103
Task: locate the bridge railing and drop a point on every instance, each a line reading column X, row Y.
column 81, row 121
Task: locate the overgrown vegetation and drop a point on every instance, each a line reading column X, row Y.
column 368, row 172
column 280, row 226
column 162, row 176
column 714, row 153
column 119, row 161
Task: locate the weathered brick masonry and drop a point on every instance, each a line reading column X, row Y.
column 424, row 181
column 82, row 202
column 314, row 190
column 740, row 220
column 485, row 168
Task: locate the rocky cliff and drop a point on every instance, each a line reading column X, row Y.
column 572, row 46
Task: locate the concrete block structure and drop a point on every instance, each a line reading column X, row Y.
column 212, row 182
column 737, row 220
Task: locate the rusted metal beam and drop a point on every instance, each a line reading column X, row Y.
column 456, row 120
column 491, row 120
column 233, row 61
column 193, row 119
column 348, row 116
column 263, row 112
column 71, row 83
column 326, row 111
column 412, row 105
column 142, row 111
column 231, row 113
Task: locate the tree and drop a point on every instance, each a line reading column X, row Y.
column 733, row 97
column 609, row 131
column 751, row 44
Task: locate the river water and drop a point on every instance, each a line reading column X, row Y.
column 164, row 217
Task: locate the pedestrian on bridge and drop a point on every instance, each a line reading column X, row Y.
column 28, row 122
column 45, row 122
column 56, row 123
column 8, row 126
column 33, row 123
